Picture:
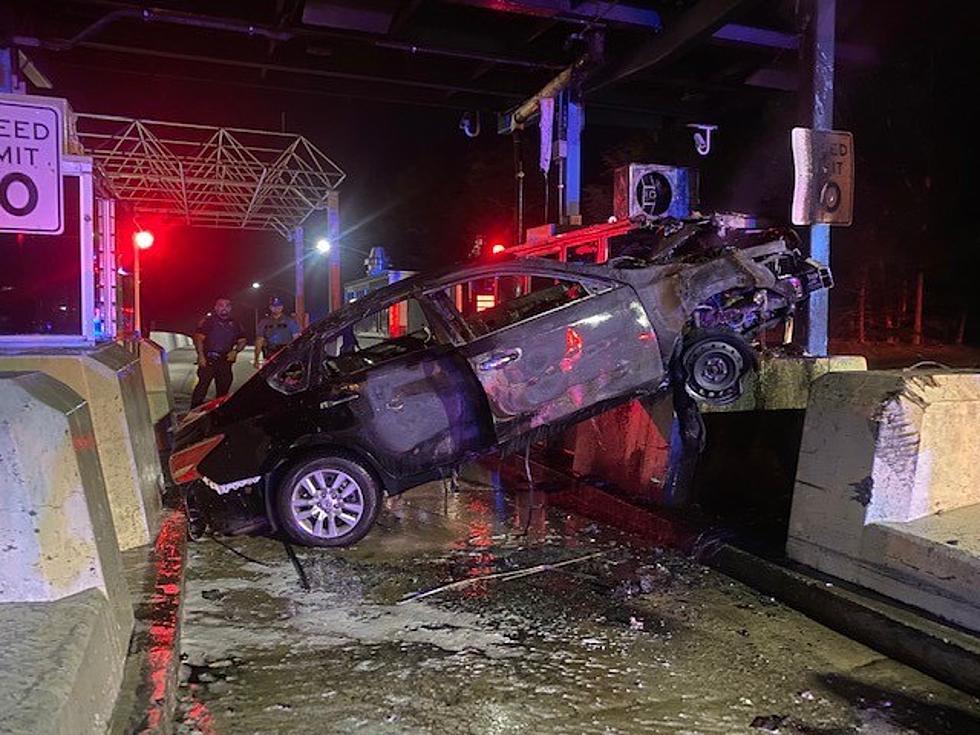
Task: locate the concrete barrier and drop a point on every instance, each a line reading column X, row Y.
column 783, row 383
column 65, row 611
column 887, row 491
column 111, row 382
column 156, row 378
column 629, row 446
column 170, row 341
column 60, row 666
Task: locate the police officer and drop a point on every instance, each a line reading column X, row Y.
column 218, row 339
column 274, row 332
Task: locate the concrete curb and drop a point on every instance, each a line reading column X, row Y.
column 155, row 650
column 946, row 653
column 949, row 654
column 60, row 665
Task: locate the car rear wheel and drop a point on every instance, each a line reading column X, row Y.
column 715, row 363
column 328, row 501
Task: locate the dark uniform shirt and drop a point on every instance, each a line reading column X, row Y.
column 220, row 335
column 277, row 332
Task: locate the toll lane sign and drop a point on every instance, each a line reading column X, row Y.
column 824, row 188
column 30, row 166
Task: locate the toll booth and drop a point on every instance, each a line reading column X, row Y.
column 400, row 319
column 59, row 285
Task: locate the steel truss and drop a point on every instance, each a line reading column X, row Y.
column 210, row 176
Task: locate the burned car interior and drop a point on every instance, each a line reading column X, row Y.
column 416, row 378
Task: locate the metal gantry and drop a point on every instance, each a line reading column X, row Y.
column 211, row 176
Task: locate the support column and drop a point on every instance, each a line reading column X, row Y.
column 568, row 152
column 333, row 234
column 821, row 41
column 299, row 257
column 137, row 291
column 7, row 70
column 575, row 121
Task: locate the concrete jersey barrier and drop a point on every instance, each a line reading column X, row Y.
column 170, row 341
column 65, row 612
column 110, row 380
column 156, row 378
column 887, row 491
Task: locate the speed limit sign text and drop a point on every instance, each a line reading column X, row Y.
column 30, row 166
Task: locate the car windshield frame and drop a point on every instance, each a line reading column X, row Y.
column 593, row 285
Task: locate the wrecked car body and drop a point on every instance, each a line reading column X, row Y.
column 366, row 403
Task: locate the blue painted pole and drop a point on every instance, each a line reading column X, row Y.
column 822, row 40
column 6, row 70
column 573, row 162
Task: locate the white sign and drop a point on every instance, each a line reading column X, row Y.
column 30, row 166
column 824, row 189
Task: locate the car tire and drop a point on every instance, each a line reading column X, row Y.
column 327, row 501
column 714, row 364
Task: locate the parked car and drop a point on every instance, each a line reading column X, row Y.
column 396, row 388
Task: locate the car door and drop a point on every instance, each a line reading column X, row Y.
column 556, row 347
column 409, row 399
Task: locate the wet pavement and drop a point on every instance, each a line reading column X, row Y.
column 621, row 639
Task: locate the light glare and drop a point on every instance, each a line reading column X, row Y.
column 323, row 246
column 143, row 239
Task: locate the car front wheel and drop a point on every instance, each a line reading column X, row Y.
column 714, row 364
column 328, row 501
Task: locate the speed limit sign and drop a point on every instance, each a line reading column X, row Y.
column 31, row 198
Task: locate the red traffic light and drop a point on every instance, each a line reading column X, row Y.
column 497, row 249
column 143, row 239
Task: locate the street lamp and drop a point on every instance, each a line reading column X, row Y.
column 256, row 285
column 142, row 240
column 323, row 246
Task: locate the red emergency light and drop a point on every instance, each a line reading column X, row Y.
column 497, row 249
column 143, row 239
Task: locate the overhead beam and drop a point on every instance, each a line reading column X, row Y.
column 587, row 11
column 683, row 32
column 348, row 17
column 743, row 35
column 298, row 70
column 423, row 50
column 754, row 36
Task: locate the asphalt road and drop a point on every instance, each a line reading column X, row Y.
column 633, row 640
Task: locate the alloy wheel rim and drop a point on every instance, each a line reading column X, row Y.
column 327, row 504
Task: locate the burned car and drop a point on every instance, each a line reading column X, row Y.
column 408, row 382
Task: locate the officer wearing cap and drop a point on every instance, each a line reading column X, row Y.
column 274, row 332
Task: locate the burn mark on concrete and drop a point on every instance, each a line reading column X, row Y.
column 863, row 490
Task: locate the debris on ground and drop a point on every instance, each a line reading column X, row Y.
column 769, row 723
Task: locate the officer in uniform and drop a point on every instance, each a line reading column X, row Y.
column 274, row 332
column 218, row 339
